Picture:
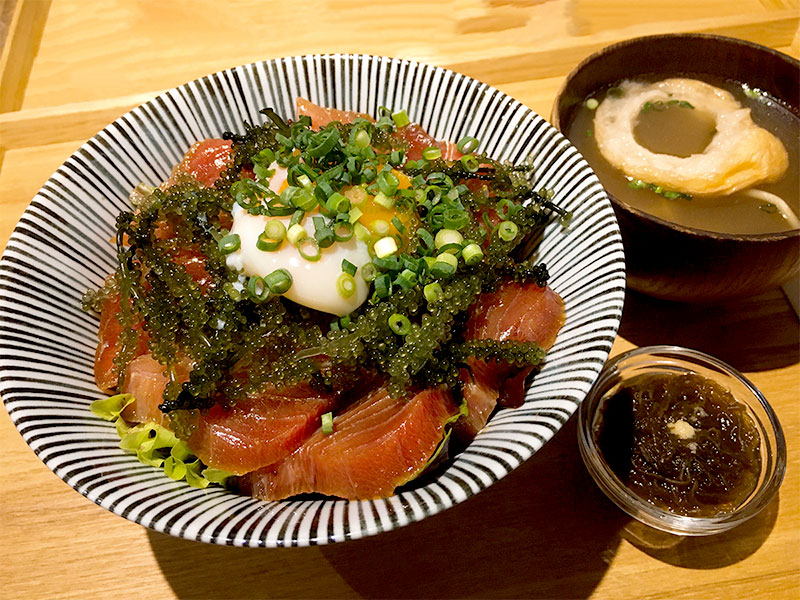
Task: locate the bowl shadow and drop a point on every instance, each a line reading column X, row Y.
column 544, row 531
column 705, row 552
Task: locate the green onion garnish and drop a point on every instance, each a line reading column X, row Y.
column 322, row 233
column 296, row 233
column 447, row 237
column 388, row 182
column 384, row 200
column 400, row 324
column 396, row 158
column 327, row 423
column 355, row 214
column 369, row 272
column 407, row 279
column 279, row 281
column 398, row 224
column 507, row 230
column 445, row 265
column 348, row 267
column 401, row 119
column 431, row 153
column 361, row 232
column 470, row 163
column 342, row 231
column 380, row 226
column 383, row 286
column 385, row 247
column 267, row 244
column 337, row 203
column 346, row 285
column 258, row 289
column 433, row 292
column 467, row 144
column 472, row 254
column 230, row 243
column 309, row 249
column 323, row 142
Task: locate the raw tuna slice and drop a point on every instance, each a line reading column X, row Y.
column 260, row 430
column 204, row 162
column 377, row 445
column 321, row 116
column 145, row 379
column 527, row 313
column 418, row 140
column 105, row 373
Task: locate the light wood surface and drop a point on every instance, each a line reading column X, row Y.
column 545, row 531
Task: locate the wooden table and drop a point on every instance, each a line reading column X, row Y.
column 71, row 66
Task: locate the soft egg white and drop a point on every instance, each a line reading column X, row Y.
column 314, row 283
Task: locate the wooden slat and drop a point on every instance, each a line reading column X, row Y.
column 19, row 51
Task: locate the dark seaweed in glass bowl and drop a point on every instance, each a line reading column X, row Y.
column 681, row 441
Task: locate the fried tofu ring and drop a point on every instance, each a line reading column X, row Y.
column 741, row 154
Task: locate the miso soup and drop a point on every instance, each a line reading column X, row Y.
column 680, row 129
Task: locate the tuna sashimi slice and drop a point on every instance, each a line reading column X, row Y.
column 145, row 380
column 377, row 444
column 519, row 312
column 259, row 430
column 321, row 116
column 204, row 162
column 106, row 374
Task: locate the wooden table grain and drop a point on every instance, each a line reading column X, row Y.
column 545, row 531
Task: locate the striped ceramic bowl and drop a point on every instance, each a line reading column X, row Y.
column 60, row 248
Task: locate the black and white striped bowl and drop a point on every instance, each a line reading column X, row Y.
column 61, row 247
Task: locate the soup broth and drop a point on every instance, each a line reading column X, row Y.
column 682, row 130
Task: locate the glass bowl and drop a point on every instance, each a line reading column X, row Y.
column 675, row 360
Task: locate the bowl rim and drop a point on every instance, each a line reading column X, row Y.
column 272, row 524
column 555, row 119
column 648, row 513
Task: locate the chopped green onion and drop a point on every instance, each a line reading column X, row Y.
column 337, row 203
column 258, row 289
column 400, row 119
column 355, row 214
column 592, row 103
column 400, row 324
column 327, row 423
column 342, row 231
column 348, row 267
column 266, row 244
column 426, row 238
column 279, row 281
column 362, row 139
column 507, row 230
column 467, row 144
column 445, row 265
column 470, row 163
column 407, row 279
column 230, row 243
column 309, row 249
column 275, row 230
column 346, row 285
column 383, row 286
column 454, row 218
column 431, row 153
column 398, row 224
column 433, row 292
column 301, row 198
column 323, row 142
column 296, row 233
column 384, row 200
column 472, row 254
column 380, row 226
column 361, row 232
column 297, row 217
column 385, row 247
column 304, row 180
column 322, row 233
column 388, row 182
column 446, row 237
column 396, row 157
column 369, row 272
